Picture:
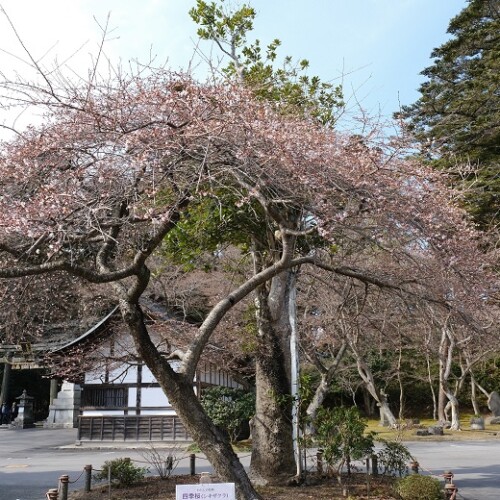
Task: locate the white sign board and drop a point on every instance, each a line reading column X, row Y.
column 208, row 491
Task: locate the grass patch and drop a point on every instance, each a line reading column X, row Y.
column 408, row 432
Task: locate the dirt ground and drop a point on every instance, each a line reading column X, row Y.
column 319, row 489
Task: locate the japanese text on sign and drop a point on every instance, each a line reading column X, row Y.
column 213, row 491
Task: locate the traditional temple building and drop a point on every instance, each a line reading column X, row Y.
column 106, row 391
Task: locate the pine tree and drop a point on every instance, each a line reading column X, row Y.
column 457, row 118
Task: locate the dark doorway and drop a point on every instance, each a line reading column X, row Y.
column 36, row 384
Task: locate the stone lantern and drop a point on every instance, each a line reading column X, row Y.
column 25, row 418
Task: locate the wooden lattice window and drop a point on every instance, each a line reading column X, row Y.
column 105, row 397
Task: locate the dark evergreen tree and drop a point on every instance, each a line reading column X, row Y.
column 457, row 118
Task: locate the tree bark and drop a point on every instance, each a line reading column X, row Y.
column 455, row 414
column 431, row 386
column 445, row 361
column 368, row 402
column 473, row 396
column 179, row 390
column 272, row 459
column 442, row 400
column 324, row 383
column 319, row 397
column 367, row 376
column 386, row 413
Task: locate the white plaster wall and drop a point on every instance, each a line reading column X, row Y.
column 122, row 374
column 153, row 396
column 93, row 378
column 147, row 376
column 157, row 412
column 132, row 393
column 102, row 413
column 125, row 374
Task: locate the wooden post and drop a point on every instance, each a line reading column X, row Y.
column 374, row 465
column 7, row 367
column 52, row 494
column 450, row 491
column 367, row 475
column 414, row 467
column 63, row 484
column 192, row 464
column 448, row 476
column 88, row 477
column 319, row 462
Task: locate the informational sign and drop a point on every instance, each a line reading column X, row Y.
column 209, row 491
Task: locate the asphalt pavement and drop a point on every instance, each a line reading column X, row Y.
column 32, row 460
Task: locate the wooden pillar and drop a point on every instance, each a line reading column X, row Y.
column 7, row 367
column 138, row 394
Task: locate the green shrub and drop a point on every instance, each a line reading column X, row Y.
column 418, row 487
column 229, row 408
column 394, row 458
column 340, row 433
column 123, row 472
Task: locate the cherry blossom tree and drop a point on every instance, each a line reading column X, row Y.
column 97, row 186
column 340, row 311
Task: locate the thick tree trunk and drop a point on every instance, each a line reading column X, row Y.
column 272, row 459
column 272, row 452
column 179, row 390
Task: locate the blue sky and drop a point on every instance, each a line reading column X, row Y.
column 377, row 48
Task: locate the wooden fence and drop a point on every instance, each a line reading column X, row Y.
column 131, row 428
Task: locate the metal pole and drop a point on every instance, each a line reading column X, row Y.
column 192, row 464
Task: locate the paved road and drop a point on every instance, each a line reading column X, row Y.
column 32, row 460
column 476, row 465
